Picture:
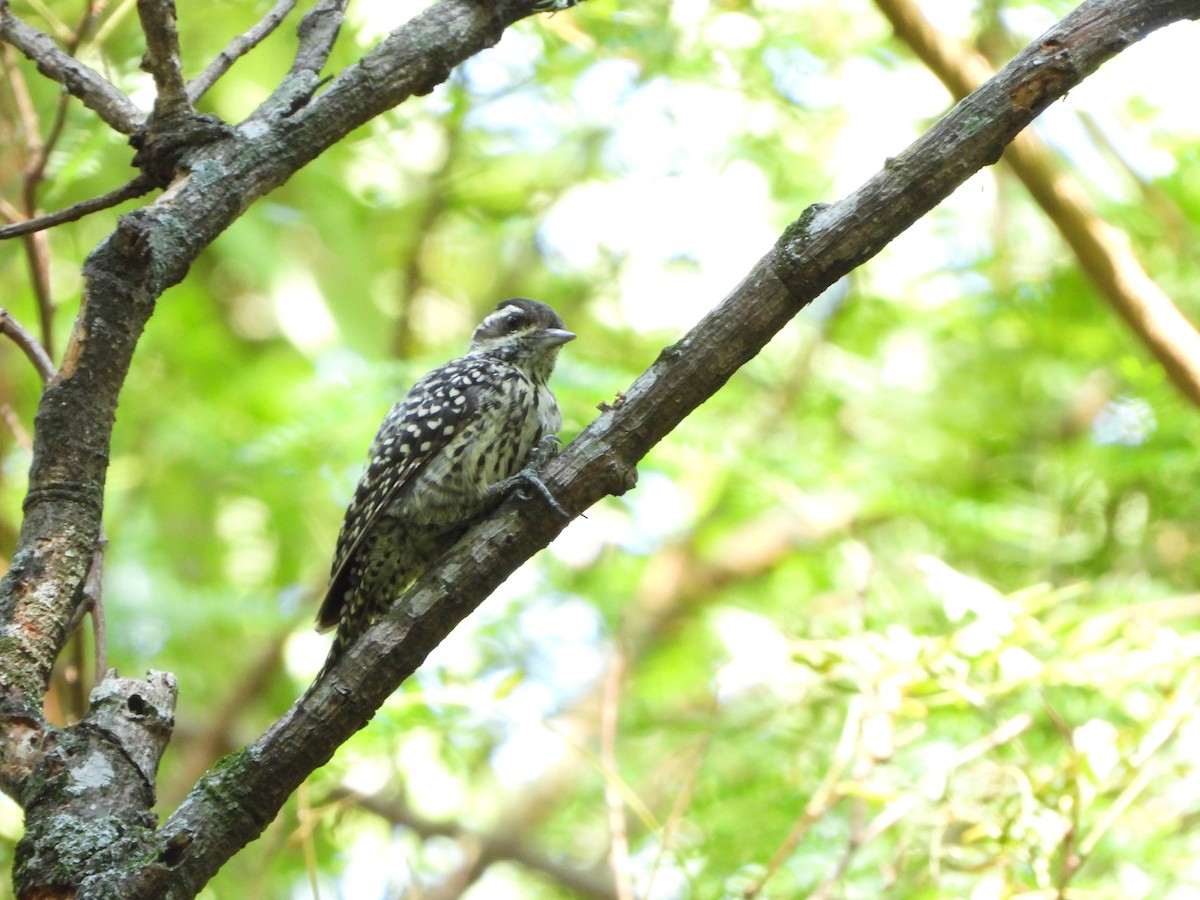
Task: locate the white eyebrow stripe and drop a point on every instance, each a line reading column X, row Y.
column 498, row 316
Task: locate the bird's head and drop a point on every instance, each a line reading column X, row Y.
column 524, row 333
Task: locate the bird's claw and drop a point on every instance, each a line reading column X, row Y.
column 530, row 476
column 543, row 451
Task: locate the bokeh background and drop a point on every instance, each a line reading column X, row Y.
column 909, row 608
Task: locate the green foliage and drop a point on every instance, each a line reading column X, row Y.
column 908, row 609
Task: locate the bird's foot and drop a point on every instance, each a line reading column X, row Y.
column 543, row 451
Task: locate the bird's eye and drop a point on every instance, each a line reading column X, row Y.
column 513, row 321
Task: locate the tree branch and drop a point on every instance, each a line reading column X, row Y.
column 96, row 92
column 152, row 249
column 93, row 787
column 489, row 847
column 1102, row 250
column 237, row 48
column 28, row 344
column 37, row 252
column 318, row 31
column 92, row 586
column 135, row 187
column 162, row 59
column 36, row 246
column 233, row 803
column 614, row 802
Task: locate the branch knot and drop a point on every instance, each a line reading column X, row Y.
column 162, row 144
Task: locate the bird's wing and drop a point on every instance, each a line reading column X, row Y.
column 414, row 431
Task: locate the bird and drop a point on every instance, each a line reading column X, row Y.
column 461, row 439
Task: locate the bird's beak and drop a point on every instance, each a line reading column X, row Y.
column 553, row 337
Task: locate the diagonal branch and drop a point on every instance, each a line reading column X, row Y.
column 233, row 803
column 237, row 48
column 150, row 250
column 1103, row 252
column 317, row 34
column 489, row 846
column 96, row 92
column 133, row 188
column 153, row 248
column 125, row 274
column 28, row 344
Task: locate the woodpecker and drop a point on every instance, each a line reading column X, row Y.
column 459, row 440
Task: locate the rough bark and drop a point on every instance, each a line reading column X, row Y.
column 102, row 843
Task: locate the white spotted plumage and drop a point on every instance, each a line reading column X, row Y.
column 460, row 430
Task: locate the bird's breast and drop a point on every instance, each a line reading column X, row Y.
column 486, row 448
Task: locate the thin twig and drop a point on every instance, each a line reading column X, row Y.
column 1069, row 861
column 113, row 20
column 306, row 823
column 162, row 58
column 1182, row 707
column 96, row 92
column 91, row 9
column 35, row 171
column 26, row 112
column 37, row 246
column 679, row 808
column 37, row 253
column 501, row 844
column 23, row 438
column 133, row 188
column 93, row 599
column 618, row 852
column 74, row 686
column 926, row 785
column 29, row 345
column 237, row 48
column 824, row 797
column 37, row 249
